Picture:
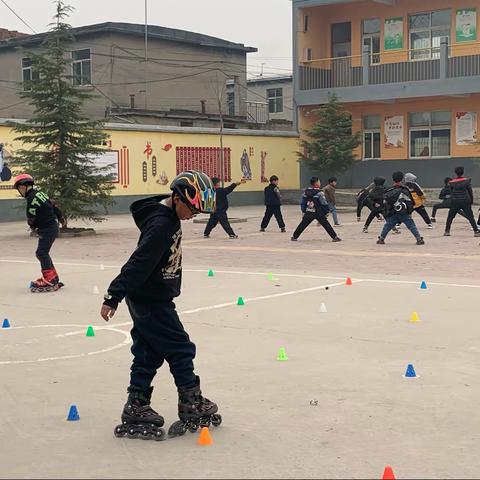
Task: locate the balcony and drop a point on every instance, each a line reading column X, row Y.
column 380, row 77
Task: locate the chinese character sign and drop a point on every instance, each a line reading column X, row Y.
column 393, row 133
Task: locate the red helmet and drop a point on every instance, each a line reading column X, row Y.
column 23, row 179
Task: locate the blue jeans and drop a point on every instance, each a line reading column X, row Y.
column 333, row 211
column 398, row 218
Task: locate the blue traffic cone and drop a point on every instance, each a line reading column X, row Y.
column 6, row 323
column 423, row 286
column 410, row 373
column 73, row 415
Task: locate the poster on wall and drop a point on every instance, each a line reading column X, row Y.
column 393, row 136
column 466, row 123
column 393, row 34
column 466, row 25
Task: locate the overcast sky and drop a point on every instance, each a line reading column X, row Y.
column 264, row 24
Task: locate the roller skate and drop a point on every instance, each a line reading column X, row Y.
column 194, row 411
column 139, row 420
column 48, row 283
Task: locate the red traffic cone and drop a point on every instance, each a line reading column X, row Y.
column 388, row 473
column 349, row 281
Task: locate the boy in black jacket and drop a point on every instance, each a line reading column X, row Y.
column 398, row 209
column 149, row 282
column 273, row 201
column 314, row 206
column 462, row 199
column 42, row 217
column 220, row 214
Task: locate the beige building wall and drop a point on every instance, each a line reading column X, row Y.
column 257, row 92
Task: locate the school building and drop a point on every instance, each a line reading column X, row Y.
column 407, row 71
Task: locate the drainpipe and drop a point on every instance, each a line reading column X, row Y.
column 366, row 64
column 444, row 58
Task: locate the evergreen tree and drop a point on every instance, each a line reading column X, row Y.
column 59, row 142
column 330, row 143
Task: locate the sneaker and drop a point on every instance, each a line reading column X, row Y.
column 262, row 229
column 447, row 233
column 336, row 239
column 433, row 220
column 396, row 231
column 338, row 225
column 206, row 236
column 420, row 241
column 293, row 239
column 380, row 241
column 365, row 230
column 476, row 234
column 430, row 226
column 233, row 236
column 283, row 230
column 358, row 219
column 379, row 219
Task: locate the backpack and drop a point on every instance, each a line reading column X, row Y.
column 397, row 200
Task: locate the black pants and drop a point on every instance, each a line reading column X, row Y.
column 46, row 238
column 158, row 335
column 373, row 214
column 424, row 214
column 444, row 205
column 308, row 218
column 272, row 210
column 467, row 210
column 213, row 221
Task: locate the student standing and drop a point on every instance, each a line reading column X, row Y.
column 273, row 202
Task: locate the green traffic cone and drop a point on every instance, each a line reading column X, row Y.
column 240, row 301
column 90, row 332
column 282, row 356
column 210, row 273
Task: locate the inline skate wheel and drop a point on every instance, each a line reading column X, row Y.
column 119, row 431
column 216, row 420
column 193, row 428
column 159, row 435
column 131, row 433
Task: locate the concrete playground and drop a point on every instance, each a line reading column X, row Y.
column 340, row 407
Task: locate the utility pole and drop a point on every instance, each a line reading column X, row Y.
column 146, row 54
column 222, row 176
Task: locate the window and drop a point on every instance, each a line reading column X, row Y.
column 231, row 104
column 430, row 134
column 426, row 32
column 305, row 23
column 371, row 38
column 308, row 55
column 81, row 66
column 275, row 100
column 28, row 74
column 371, row 137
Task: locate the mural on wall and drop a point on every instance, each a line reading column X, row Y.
column 5, row 172
column 206, row 159
column 245, row 165
column 263, row 156
column 153, row 161
column 124, row 168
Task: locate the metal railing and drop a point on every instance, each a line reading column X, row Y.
column 257, row 112
column 395, row 67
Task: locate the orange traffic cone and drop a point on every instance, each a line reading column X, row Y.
column 205, row 438
column 349, row 281
column 388, row 473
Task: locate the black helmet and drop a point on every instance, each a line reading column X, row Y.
column 196, row 190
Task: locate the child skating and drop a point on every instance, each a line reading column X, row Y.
column 273, row 202
column 398, row 209
column 42, row 217
column 220, row 214
column 314, row 207
column 149, row 282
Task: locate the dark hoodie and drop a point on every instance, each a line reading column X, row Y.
column 375, row 198
column 42, row 213
column 461, row 188
column 314, row 201
column 153, row 273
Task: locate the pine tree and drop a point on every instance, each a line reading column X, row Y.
column 60, row 143
column 330, row 143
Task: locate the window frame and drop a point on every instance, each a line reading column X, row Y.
column 430, row 129
column 34, row 76
column 433, row 52
column 81, row 62
column 372, row 132
column 275, row 98
column 231, row 104
column 374, row 56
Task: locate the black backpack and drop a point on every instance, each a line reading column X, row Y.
column 398, row 200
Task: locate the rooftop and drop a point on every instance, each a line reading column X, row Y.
column 272, row 79
column 134, row 29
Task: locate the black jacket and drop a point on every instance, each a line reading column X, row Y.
column 222, row 200
column 272, row 196
column 153, row 273
column 461, row 189
column 445, row 194
column 314, row 202
column 41, row 212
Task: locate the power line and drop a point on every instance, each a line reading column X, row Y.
column 18, row 16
